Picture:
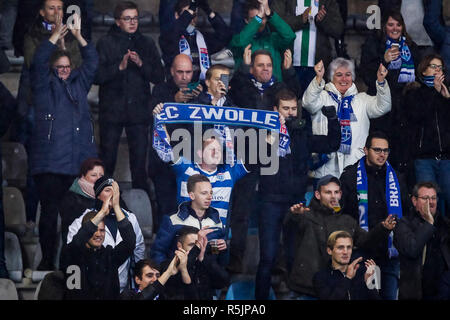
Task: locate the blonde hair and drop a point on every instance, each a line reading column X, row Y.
column 336, row 235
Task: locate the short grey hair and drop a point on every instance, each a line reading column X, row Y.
column 339, row 63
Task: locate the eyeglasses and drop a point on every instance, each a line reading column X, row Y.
column 151, row 275
column 379, row 150
column 62, row 67
column 426, row 198
column 436, row 67
column 129, row 19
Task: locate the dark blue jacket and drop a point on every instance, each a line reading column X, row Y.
column 165, row 243
column 438, row 32
column 63, row 135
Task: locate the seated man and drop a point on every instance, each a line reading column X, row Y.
column 98, row 264
column 203, row 271
column 197, row 212
column 103, row 188
column 149, row 282
column 343, row 280
column 183, row 37
column 422, row 240
column 315, row 224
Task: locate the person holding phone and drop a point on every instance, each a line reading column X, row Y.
column 217, row 80
column 393, row 47
column 422, row 239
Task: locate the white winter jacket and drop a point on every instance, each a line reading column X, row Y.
column 139, row 251
column 365, row 107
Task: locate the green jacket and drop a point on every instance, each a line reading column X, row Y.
column 331, row 26
column 275, row 38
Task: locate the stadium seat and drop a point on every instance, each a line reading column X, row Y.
column 14, row 210
column 138, row 202
column 14, row 158
column 8, row 290
column 51, row 287
column 244, row 290
column 13, row 257
column 308, row 197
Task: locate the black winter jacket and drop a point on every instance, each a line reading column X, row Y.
column 124, row 95
column 99, row 277
column 312, row 231
column 330, row 284
column 410, row 237
column 169, row 41
column 428, row 121
column 376, row 184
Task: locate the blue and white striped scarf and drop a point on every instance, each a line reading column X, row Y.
column 345, row 115
column 404, row 62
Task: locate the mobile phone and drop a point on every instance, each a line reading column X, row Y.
column 225, row 78
column 192, row 86
column 395, row 46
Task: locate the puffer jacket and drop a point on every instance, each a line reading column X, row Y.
column 63, row 133
column 164, row 244
column 365, row 107
column 312, row 231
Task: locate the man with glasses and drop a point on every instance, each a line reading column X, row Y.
column 370, row 192
column 422, row 239
column 129, row 61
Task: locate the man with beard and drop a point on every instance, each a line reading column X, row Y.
column 281, row 190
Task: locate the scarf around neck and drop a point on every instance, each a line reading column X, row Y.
column 345, row 115
column 393, row 199
column 184, row 47
column 262, row 86
column 86, row 187
column 404, row 62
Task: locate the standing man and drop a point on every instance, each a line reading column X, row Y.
column 422, row 239
column 313, row 23
column 370, row 192
column 129, row 61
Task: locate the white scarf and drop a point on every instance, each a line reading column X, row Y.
column 202, row 52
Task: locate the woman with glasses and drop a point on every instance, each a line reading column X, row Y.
column 391, row 46
column 427, row 108
column 63, row 134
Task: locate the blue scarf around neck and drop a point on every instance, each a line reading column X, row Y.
column 429, row 81
column 393, row 199
column 345, row 115
column 262, row 86
column 404, row 62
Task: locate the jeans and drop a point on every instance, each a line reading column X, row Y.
column 51, row 189
column 437, row 171
column 137, row 137
column 270, row 223
column 390, row 276
column 8, row 18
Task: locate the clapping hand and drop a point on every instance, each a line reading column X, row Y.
column 440, row 86
column 287, row 61
column 248, row 55
column 352, row 268
column 321, row 14
column 59, row 31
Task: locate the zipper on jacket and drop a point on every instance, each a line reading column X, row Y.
column 421, row 138
column 439, row 132
column 50, row 118
column 92, row 127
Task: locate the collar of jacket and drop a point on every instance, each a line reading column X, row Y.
column 374, row 169
column 185, row 210
column 350, row 91
column 116, row 31
column 317, row 207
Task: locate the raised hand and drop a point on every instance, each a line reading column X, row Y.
column 321, row 14
column 172, row 268
column 287, row 61
column 115, row 195
column 158, row 108
column 248, row 55
column 352, row 268
column 134, row 56
column 319, row 68
column 299, row 208
column 370, row 269
column 59, row 31
column 381, row 73
column 390, row 222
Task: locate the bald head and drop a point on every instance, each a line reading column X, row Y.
column 181, row 70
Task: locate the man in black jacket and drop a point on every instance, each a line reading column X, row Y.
column 422, row 239
column 343, row 280
column 184, row 37
column 287, row 186
column 98, row 265
column 129, row 61
column 313, row 227
column 372, row 204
